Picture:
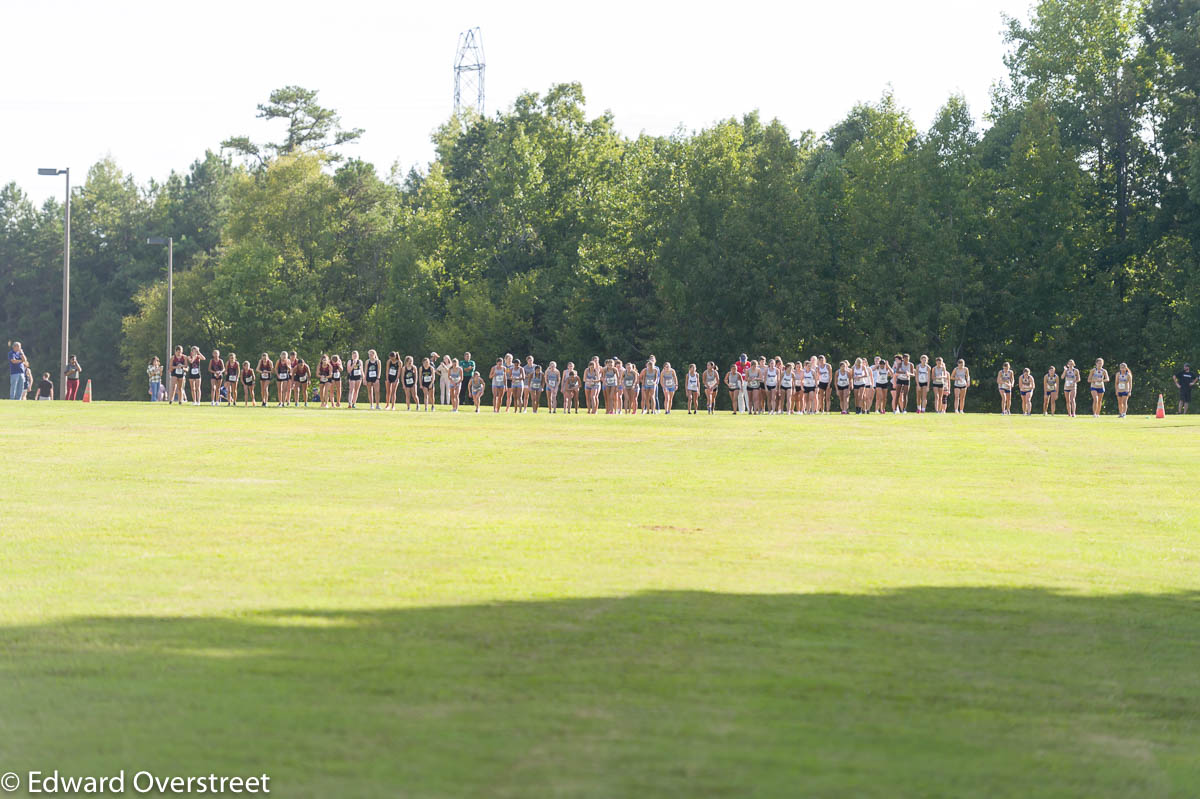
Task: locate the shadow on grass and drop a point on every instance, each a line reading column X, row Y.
column 921, row 691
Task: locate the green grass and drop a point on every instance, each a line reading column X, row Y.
column 370, row 604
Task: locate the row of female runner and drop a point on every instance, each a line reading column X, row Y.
column 755, row 386
column 879, row 381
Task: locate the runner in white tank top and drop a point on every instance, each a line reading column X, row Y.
column 923, row 374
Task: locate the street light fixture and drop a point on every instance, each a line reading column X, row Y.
column 66, row 298
column 170, row 242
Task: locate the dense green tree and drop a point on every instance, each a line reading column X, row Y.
column 1067, row 225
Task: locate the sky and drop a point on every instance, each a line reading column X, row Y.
column 154, row 84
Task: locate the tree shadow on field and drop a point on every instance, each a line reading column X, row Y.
column 915, row 692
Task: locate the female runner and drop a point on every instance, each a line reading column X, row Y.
column 711, row 380
column 392, row 371
column 961, row 376
column 872, row 369
column 810, row 378
column 283, row 378
column 591, row 385
column 904, row 370
column 512, row 369
column 1026, row 384
column 324, row 375
column 619, row 391
column 335, row 380
column 232, row 370
column 293, row 389
column 455, row 375
column 787, row 387
column 733, row 383
column 765, row 404
column 1049, row 391
column 883, row 385
column 650, row 377
column 629, row 378
column 536, row 381
column 499, row 377
column 1070, row 384
column 754, row 381
column 247, row 384
column 475, row 389
column 516, row 387
column 264, row 378
column 861, row 386
column 922, row 383
column 796, row 404
column 354, row 376
column 195, row 365
column 626, row 386
column 428, row 373
column 781, row 403
column 1004, row 381
column 841, row 380
column 610, row 387
column 508, row 379
column 799, row 399
column 1124, row 381
column 893, row 389
column 527, row 373
column 940, row 384
column 670, row 384
column 824, row 373
column 216, row 377
column 300, row 375
column 691, row 387
column 409, row 379
column 571, row 384
column 373, row 367
column 1097, row 377
column 553, row 380
column 178, row 375
column 771, row 386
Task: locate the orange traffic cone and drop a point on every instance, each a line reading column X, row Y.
column 1160, row 413
column 87, row 394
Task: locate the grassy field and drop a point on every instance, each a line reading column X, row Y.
column 371, row 604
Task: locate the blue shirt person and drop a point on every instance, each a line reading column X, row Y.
column 16, row 370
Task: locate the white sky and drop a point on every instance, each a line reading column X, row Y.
column 155, row 83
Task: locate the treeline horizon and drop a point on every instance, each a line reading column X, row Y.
column 1065, row 226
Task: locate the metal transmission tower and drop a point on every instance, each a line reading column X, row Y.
column 468, row 72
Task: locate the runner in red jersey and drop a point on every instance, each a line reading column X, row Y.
column 195, row 367
column 283, row 378
column 178, row 376
column 216, row 376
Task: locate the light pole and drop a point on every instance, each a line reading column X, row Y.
column 66, row 301
column 170, row 242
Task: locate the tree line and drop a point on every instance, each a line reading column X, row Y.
column 1065, row 225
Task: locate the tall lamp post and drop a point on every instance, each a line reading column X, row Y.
column 66, row 300
column 170, row 242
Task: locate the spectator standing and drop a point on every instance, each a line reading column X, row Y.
column 45, row 389
column 443, row 373
column 73, row 370
column 468, row 367
column 154, row 371
column 1185, row 378
column 16, row 371
column 742, row 365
